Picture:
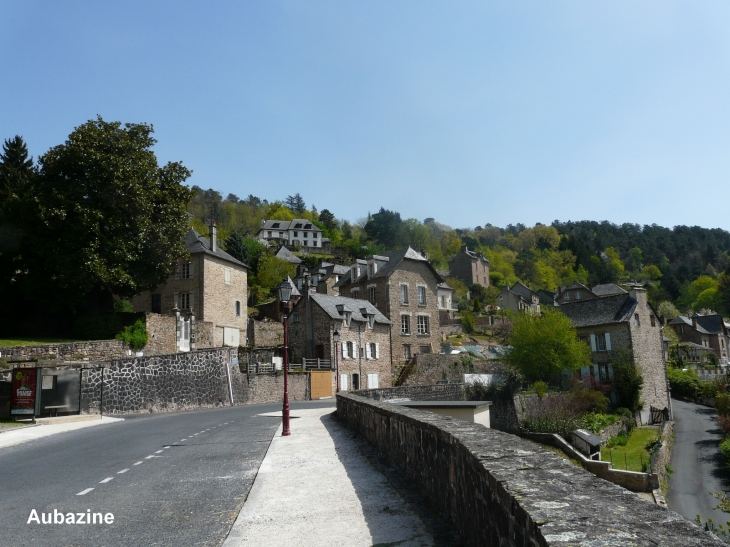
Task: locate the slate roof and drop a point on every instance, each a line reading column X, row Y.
column 682, row 320
column 294, row 290
column 608, row 289
column 329, row 305
column 195, row 243
column 283, row 225
column 470, row 254
column 286, row 254
column 388, row 263
column 711, row 323
column 601, row 311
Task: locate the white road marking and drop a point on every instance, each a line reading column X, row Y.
column 84, row 492
column 139, row 463
column 122, row 471
column 150, row 456
column 166, row 447
column 106, row 480
column 182, row 441
column 158, row 451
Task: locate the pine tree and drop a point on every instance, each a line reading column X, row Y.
column 16, row 170
column 296, row 203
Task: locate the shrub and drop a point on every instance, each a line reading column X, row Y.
column 722, row 404
column 725, row 450
column 467, row 321
column 135, row 335
column 541, row 388
column 724, row 422
column 619, row 440
column 587, row 399
column 627, row 380
column 684, row 383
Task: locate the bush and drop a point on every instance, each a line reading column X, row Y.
column 722, row 404
column 586, row 399
column 684, row 383
column 725, row 450
column 627, row 380
column 619, row 440
column 467, row 321
column 541, row 388
column 135, row 335
column 724, row 422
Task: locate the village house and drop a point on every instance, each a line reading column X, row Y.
column 208, row 285
column 322, row 279
column 707, row 331
column 469, row 267
column 297, row 233
column 404, row 287
column 363, row 351
column 619, row 321
column 519, row 298
column 578, row 291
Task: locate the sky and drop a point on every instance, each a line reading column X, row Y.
column 467, row 112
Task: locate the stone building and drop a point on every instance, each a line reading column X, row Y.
column 519, row 298
column 470, row 267
column 708, row 331
column 578, row 291
column 208, row 285
column 364, row 351
column 298, row 233
column 623, row 321
column 404, row 287
column 322, row 279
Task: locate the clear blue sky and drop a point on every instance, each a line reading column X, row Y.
column 471, row 113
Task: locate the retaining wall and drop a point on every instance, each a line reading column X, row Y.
column 500, row 490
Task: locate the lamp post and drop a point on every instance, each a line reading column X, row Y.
column 284, row 297
column 336, row 338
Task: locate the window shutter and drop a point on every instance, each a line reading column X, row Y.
column 343, row 382
column 368, row 351
column 177, row 271
column 377, row 351
column 176, row 300
column 593, row 342
column 192, row 303
column 192, row 269
column 344, row 350
column 585, row 372
column 608, row 342
column 609, row 368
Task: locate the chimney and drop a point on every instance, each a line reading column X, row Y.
column 213, row 238
column 638, row 294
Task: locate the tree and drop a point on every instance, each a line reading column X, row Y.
column 651, row 272
column 627, row 380
column 384, row 228
column 16, row 171
column 272, row 270
column 328, row 219
column 110, row 220
column 296, row 203
column 245, row 249
column 543, row 347
column 667, row 309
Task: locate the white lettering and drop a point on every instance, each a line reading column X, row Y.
column 70, row 518
column 56, row 516
column 33, row 517
column 101, row 518
column 80, row 518
column 109, row 518
column 50, row 518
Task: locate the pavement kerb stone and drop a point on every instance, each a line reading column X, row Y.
column 32, row 433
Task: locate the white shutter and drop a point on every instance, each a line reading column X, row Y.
column 344, row 350
column 343, row 382
column 593, row 342
column 368, row 351
column 176, row 300
column 608, row 342
column 377, row 351
column 372, row 381
column 191, row 270
column 177, row 270
column 192, row 296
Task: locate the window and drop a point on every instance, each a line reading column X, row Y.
column 348, row 350
column 567, row 297
column 307, row 226
column 636, row 320
column 281, row 234
column 404, row 294
column 238, row 308
column 355, row 381
column 372, row 350
column 601, row 342
column 442, row 299
column 296, row 234
column 681, row 329
column 424, row 349
column 186, row 300
column 372, row 381
column 406, row 351
column 314, row 235
column 227, row 275
column 343, row 382
column 405, row 324
column 269, row 234
column 652, row 321
column 156, row 303
column 295, row 317
column 275, row 225
column 585, row 339
column 355, row 293
column 185, row 271
column 577, row 295
column 423, row 324
column 421, row 296
column 371, row 295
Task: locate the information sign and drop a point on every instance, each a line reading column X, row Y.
column 25, row 383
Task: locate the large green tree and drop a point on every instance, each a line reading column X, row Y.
column 543, row 347
column 109, row 219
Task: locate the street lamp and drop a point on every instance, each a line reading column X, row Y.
column 284, row 296
column 336, row 338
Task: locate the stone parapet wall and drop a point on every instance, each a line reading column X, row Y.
column 95, row 350
column 442, row 392
column 498, row 489
column 265, row 333
column 269, row 388
column 433, row 368
column 162, row 333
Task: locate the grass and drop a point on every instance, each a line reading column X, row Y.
column 33, row 341
column 6, row 423
column 559, row 453
column 634, row 455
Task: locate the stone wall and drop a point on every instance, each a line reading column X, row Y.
column 265, row 333
column 442, row 392
column 163, row 337
column 95, row 350
column 430, row 369
column 501, row 490
column 269, row 388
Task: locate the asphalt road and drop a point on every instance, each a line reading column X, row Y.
column 175, row 479
column 698, row 465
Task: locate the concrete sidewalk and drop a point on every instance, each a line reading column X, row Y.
column 315, row 488
column 11, row 437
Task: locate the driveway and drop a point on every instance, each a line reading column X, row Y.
column 698, row 465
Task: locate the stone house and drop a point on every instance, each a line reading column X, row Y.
column 623, row 321
column 297, row 233
column 707, row 331
column 404, row 287
column 364, row 351
column 322, row 279
column 208, row 285
column 470, row 267
column 445, row 302
column 577, row 291
column 519, row 298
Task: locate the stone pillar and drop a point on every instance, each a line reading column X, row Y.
column 192, row 330
column 178, row 328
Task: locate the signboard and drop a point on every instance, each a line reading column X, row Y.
column 234, row 361
column 25, row 383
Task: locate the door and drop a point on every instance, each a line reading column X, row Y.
column 185, row 336
column 321, row 384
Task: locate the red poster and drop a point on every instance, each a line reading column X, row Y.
column 24, row 391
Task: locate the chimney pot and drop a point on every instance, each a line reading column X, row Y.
column 213, row 236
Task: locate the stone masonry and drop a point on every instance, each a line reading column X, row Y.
column 265, row 333
column 500, row 490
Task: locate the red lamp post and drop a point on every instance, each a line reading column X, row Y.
column 284, row 297
column 336, row 339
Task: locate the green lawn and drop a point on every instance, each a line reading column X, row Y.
column 33, row 341
column 631, row 456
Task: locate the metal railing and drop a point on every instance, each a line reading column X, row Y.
column 306, row 364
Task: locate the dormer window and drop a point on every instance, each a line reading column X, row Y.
column 298, row 225
column 307, row 226
column 577, row 295
column 355, row 273
column 567, row 297
column 275, row 225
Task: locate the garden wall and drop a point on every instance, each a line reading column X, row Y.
column 501, row 490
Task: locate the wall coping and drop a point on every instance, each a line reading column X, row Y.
column 554, row 502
